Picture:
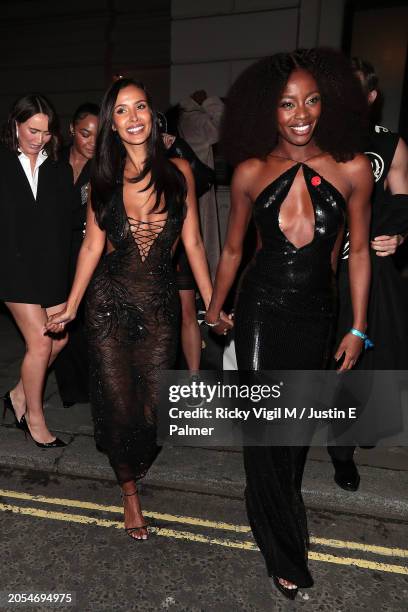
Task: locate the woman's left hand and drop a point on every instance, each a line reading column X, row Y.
column 350, row 347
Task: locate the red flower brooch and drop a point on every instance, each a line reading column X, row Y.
column 316, row 180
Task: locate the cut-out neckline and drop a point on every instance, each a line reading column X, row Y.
column 144, row 233
column 302, row 246
column 291, row 168
column 294, row 169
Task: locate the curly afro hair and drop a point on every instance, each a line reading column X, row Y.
column 250, row 121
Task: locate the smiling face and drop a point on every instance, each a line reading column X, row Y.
column 33, row 134
column 299, row 108
column 84, row 133
column 132, row 116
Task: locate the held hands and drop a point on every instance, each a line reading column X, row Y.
column 220, row 325
column 386, row 245
column 56, row 322
column 350, row 347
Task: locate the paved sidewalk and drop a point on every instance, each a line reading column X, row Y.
column 384, row 471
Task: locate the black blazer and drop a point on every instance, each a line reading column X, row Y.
column 35, row 233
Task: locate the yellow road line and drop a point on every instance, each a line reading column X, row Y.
column 198, row 522
column 194, row 537
column 363, row 563
column 370, row 548
column 73, row 503
column 89, row 520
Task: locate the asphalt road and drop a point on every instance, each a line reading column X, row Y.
column 64, row 535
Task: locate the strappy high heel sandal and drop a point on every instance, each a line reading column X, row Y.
column 289, row 593
column 131, row 530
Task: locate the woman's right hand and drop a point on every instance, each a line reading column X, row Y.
column 56, row 322
column 224, row 325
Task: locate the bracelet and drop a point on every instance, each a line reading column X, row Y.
column 217, row 322
column 367, row 342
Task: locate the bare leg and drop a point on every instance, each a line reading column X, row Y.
column 190, row 331
column 18, row 399
column 17, row 394
column 28, row 393
column 135, row 523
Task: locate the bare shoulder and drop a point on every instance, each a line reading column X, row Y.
column 401, row 153
column 182, row 165
column 359, row 169
column 246, row 172
column 359, row 163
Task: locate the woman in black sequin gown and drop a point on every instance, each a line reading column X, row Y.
column 141, row 204
column 298, row 179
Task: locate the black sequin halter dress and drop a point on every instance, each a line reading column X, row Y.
column 283, row 321
column 132, row 314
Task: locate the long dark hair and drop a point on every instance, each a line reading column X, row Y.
column 23, row 109
column 250, row 122
column 110, row 155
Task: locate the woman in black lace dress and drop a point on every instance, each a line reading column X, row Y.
column 294, row 122
column 140, row 204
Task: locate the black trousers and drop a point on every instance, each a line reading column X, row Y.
column 341, row 453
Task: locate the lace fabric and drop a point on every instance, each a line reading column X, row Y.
column 132, row 313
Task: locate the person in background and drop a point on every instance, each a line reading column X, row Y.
column 176, row 147
column 36, row 206
column 387, row 308
column 71, row 366
column 199, row 124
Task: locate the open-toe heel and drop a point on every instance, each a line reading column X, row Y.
column 289, row 593
column 131, row 530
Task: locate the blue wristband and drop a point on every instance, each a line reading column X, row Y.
column 367, row 342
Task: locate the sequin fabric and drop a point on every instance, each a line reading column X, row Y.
column 283, row 321
column 132, row 313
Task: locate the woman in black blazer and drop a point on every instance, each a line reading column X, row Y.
column 36, row 200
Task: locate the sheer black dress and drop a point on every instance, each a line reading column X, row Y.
column 283, row 321
column 132, row 313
